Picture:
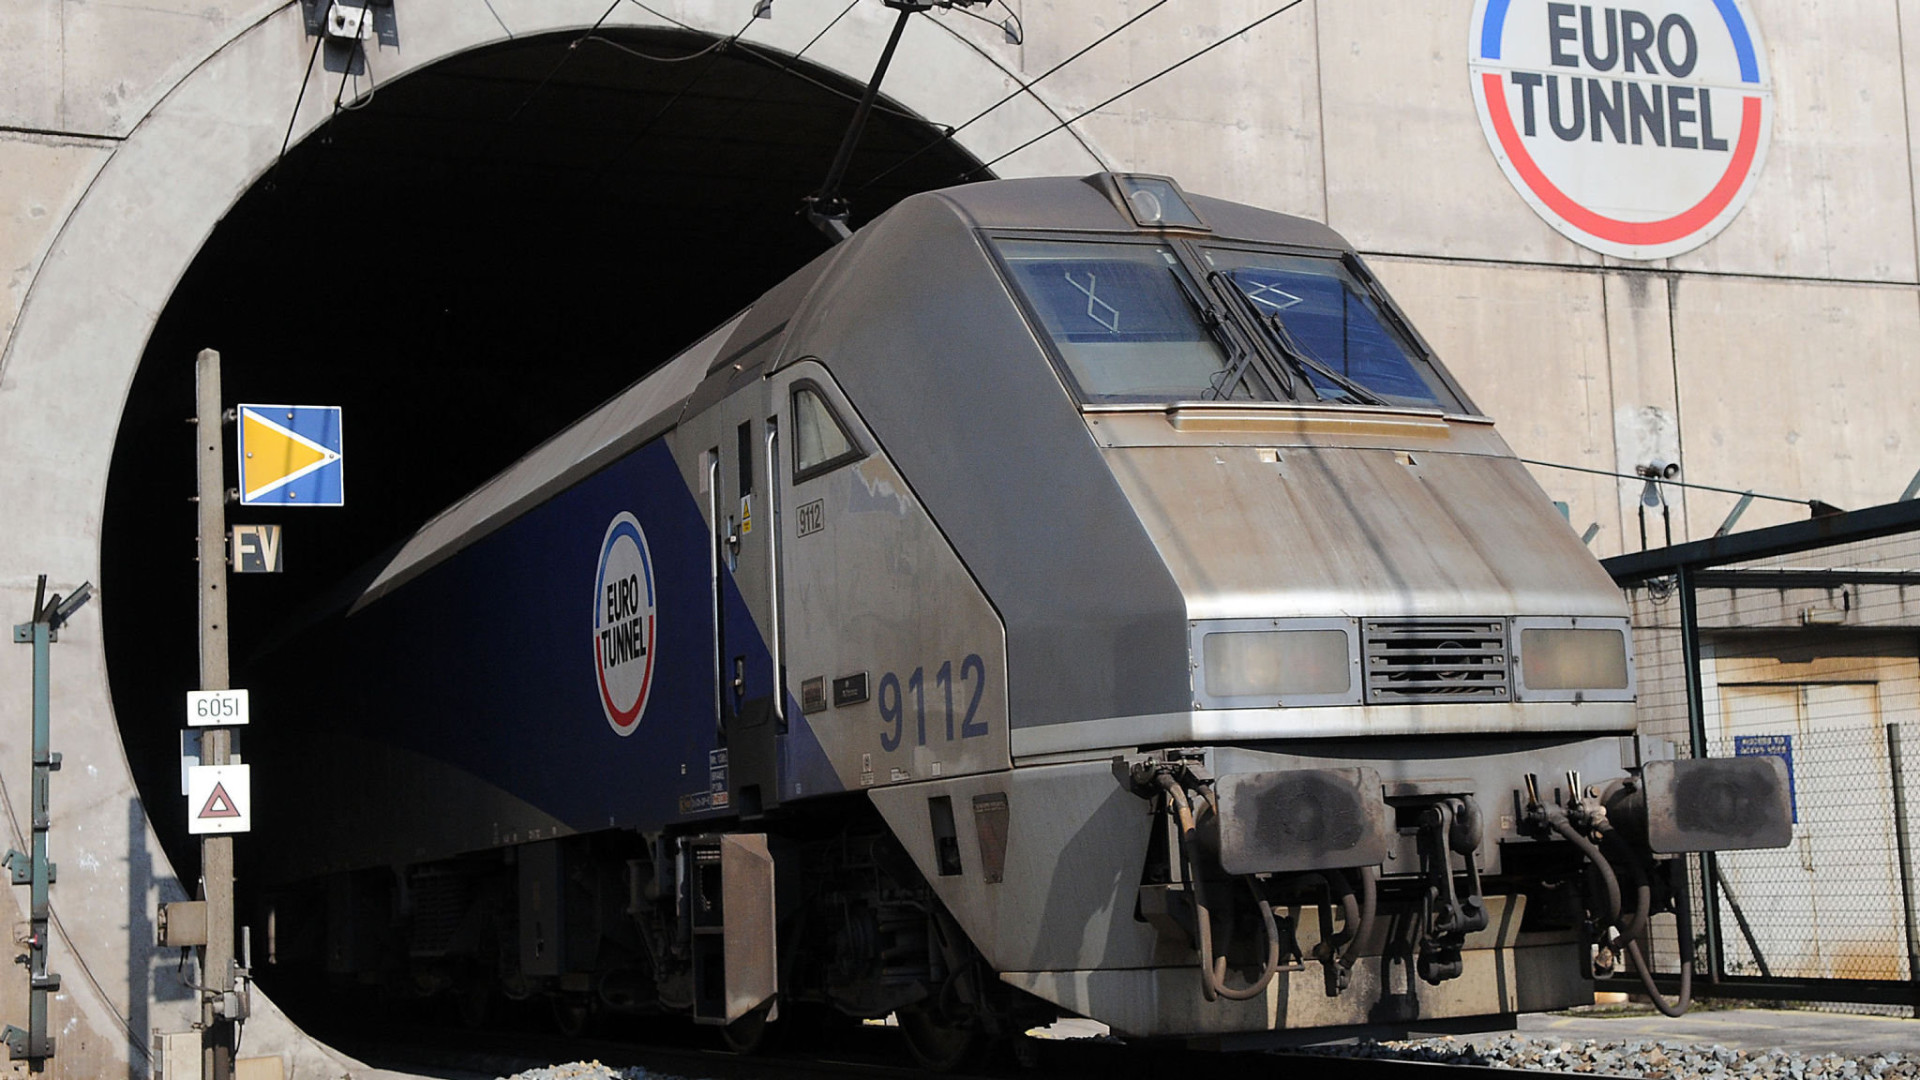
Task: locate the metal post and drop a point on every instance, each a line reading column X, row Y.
column 1734, row 515
column 33, row 1044
column 1740, row 917
column 1894, row 766
column 216, row 852
column 1697, row 734
column 41, row 872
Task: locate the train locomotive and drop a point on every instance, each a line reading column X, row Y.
column 1067, row 596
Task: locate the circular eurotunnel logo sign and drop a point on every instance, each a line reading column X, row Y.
column 623, row 623
column 1636, row 131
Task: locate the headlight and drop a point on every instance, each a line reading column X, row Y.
column 1277, row 663
column 1563, row 658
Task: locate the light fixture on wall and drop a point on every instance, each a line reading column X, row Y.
column 349, row 22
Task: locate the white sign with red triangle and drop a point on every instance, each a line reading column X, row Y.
column 219, row 799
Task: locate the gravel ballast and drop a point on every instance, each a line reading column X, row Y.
column 1655, row 1060
column 589, row 1070
column 1641, row 1057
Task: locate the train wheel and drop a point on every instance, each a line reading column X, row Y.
column 937, row 1043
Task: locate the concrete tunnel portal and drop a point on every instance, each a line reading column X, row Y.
column 466, row 260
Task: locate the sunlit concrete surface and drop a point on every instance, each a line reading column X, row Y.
column 1781, row 356
column 125, row 134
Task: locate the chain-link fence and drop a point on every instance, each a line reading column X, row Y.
column 1830, row 905
column 1810, row 653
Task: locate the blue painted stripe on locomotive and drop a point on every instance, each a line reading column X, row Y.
column 503, row 633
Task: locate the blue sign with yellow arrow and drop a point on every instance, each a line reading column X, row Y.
column 290, row 456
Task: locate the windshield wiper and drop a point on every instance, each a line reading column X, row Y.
column 1240, row 354
column 1283, row 342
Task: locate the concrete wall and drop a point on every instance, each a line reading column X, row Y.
column 1781, row 356
column 126, row 131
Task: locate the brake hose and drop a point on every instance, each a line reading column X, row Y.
column 1213, row 974
column 1357, row 908
column 1369, row 905
column 1643, row 925
column 1642, row 919
column 1557, row 819
column 1683, row 931
column 1342, row 890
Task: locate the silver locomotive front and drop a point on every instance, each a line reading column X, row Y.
column 1407, row 727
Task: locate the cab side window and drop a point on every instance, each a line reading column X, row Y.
column 821, row 442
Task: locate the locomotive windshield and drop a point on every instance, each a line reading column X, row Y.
column 1132, row 322
column 1116, row 315
column 1336, row 322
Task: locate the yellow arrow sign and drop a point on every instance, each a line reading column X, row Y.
column 275, row 455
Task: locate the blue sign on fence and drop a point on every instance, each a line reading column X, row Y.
column 1780, row 746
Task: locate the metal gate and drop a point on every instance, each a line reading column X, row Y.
column 1801, row 641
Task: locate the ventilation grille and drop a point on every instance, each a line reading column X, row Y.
column 1439, row 660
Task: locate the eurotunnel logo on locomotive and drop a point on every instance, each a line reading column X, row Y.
column 623, row 623
column 1635, row 131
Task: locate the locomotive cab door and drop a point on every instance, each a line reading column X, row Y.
column 743, row 507
column 892, row 655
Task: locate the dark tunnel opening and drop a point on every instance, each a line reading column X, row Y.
column 465, row 263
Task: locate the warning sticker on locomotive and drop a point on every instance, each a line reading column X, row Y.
column 716, row 797
column 623, row 623
column 1635, row 130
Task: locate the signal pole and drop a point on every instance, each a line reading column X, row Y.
column 219, row 1005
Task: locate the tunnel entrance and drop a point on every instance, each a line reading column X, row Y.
column 466, row 262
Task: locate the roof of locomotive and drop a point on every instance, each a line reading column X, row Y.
column 654, row 404
column 1060, row 203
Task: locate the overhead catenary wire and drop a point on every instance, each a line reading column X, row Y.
column 754, row 98
column 294, row 116
column 565, row 55
column 1168, row 70
column 1666, row 481
column 947, row 135
column 1024, row 88
column 746, row 49
column 713, row 50
column 718, row 43
column 496, row 18
column 492, row 134
column 787, row 67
